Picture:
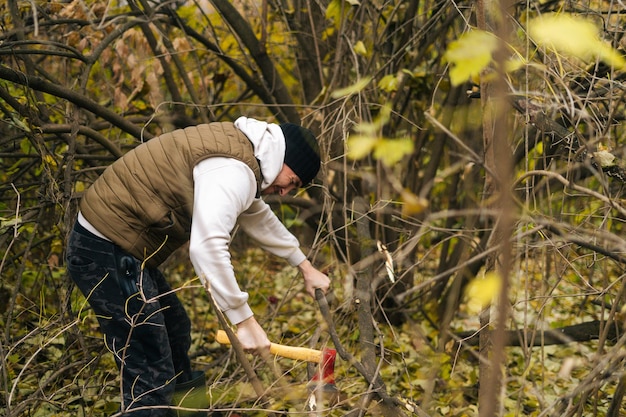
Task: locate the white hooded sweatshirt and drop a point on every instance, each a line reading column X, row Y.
column 224, row 196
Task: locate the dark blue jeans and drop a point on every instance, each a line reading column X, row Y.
column 144, row 324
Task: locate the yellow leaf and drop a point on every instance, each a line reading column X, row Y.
column 481, row 292
column 565, row 33
column 470, row 54
column 391, row 151
column 388, row 83
column 611, row 56
column 328, row 32
column 360, row 146
column 352, row 89
column 360, row 48
column 573, row 36
column 9, row 222
column 379, row 121
column 334, row 12
column 368, row 129
column 50, row 160
column 412, row 204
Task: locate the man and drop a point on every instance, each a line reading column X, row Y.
column 194, row 184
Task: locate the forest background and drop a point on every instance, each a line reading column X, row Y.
column 469, row 208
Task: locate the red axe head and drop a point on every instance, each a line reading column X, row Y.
column 326, row 373
column 322, row 384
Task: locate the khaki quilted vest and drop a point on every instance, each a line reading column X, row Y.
column 143, row 202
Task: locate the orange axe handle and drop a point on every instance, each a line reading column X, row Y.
column 291, row 352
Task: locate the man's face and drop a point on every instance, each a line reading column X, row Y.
column 286, row 181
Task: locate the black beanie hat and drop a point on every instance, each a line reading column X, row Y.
column 302, row 153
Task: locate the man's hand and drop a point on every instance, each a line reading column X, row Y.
column 253, row 337
column 313, row 278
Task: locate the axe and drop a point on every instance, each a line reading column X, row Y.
column 325, row 358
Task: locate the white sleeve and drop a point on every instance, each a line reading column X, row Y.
column 223, row 189
column 260, row 223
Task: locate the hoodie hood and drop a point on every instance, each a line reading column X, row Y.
column 269, row 146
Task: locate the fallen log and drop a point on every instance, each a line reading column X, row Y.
column 582, row 332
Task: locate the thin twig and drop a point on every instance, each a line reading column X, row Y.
column 238, row 348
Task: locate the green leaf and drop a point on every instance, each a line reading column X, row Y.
column 573, row 36
column 25, row 146
column 352, row 89
column 470, row 54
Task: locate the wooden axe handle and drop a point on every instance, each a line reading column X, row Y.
column 291, row 352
